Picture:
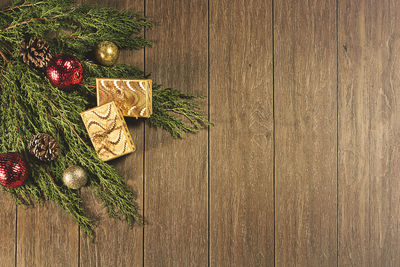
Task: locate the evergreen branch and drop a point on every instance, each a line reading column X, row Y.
column 21, row 6
column 37, row 107
column 167, row 102
column 65, row 119
column 87, row 85
column 19, row 128
column 72, row 37
column 5, row 60
column 27, row 21
column 72, row 206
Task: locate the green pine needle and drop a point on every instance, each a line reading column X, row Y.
column 31, row 105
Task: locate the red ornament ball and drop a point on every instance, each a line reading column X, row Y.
column 13, row 170
column 64, row 71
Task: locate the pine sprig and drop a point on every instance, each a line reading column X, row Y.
column 171, row 103
column 31, row 105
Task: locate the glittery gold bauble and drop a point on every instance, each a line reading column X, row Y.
column 107, row 53
column 74, row 177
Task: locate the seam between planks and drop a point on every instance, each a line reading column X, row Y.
column 208, row 139
column 273, row 119
column 144, row 152
column 337, row 133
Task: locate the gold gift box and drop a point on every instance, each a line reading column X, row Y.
column 108, row 131
column 132, row 97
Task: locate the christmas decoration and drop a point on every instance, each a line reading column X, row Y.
column 44, row 147
column 107, row 53
column 64, row 71
column 108, row 131
column 74, row 177
column 30, row 104
column 13, row 170
column 132, row 97
column 36, row 52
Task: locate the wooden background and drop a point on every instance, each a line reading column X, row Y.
column 302, row 167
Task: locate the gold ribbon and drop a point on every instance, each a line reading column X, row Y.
column 100, row 138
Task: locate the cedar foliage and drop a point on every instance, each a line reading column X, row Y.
column 31, row 105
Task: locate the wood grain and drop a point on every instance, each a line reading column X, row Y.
column 369, row 116
column 268, row 63
column 116, row 244
column 46, row 236
column 241, row 143
column 176, row 184
column 306, row 133
column 7, row 229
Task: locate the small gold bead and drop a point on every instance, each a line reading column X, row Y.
column 107, row 53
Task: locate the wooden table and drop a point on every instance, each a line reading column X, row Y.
column 302, row 167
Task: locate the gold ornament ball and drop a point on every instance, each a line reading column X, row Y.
column 107, row 53
column 74, row 177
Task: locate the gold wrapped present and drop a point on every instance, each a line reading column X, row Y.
column 108, row 131
column 133, row 97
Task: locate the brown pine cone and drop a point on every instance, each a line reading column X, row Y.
column 36, row 53
column 44, row 147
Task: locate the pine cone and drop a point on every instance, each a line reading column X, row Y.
column 44, row 147
column 36, row 52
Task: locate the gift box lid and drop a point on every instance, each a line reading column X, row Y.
column 132, row 96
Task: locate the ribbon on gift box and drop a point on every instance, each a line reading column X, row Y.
column 101, row 138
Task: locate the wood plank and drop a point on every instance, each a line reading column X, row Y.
column 241, row 143
column 116, row 244
column 46, row 236
column 7, row 229
column 369, row 116
column 176, row 187
column 306, row 132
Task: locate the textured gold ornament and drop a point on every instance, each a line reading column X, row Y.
column 107, row 53
column 74, row 177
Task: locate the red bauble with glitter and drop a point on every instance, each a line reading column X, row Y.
column 13, row 170
column 64, row 71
